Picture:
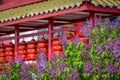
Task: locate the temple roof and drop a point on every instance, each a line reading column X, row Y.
column 50, row 6
column 105, row 3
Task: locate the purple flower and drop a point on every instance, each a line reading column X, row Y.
column 99, row 67
column 19, row 59
column 62, row 55
column 57, row 66
column 41, row 56
column 6, row 73
column 60, row 66
column 112, row 24
column 41, row 63
column 24, row 75
column 86, row 54
column 85, row 30
column 53, row 57
column 116, row 48
column 73, row 74
column 75, row 39
column 99, row 48
column 88, row 68
column 52, row 72
column 24, row 66
column 89, row 24
column 10, row 61
column 97, row 20
column 87, row 45
column 111, row 68
column 108, row 45
column 118, row 71
column 63, row 40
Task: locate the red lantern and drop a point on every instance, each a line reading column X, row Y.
column 2, row 50
column 31, row 57
column 57, row 52
column 56, row 46
column 69, row 36
column 7, row 58
column 42, row 45
column 2, row 59
column 84, row 40
column 22, row 50
column 9, row 51
column 31, row 50
column 2, row 53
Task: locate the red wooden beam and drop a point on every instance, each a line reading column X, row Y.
column 33, row 34
column 50, row 28
column 65, row 29
column 24, row 36
column 55, row 13
column 16, row 40
column 91, row 18
column 7, row 38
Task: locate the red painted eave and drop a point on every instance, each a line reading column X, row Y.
column 83, row 7
column 101, row 9
column 15, row 3
column 55, row 13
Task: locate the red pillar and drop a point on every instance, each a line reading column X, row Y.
column 50, row 28
column 16, row 39
column 91, row 17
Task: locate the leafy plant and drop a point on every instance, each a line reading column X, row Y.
column 98, row 60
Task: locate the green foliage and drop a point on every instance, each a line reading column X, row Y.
column 95, row 62
column 14, row 70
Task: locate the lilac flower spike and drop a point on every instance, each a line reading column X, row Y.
column 19, row 59
column 88, row 68
column 63, row 40
column 53, row 57
column 6, row 73
column 24, row 75
column 24, row 67
column 108, row 45
column 111, row 68
column 99, row 48
column 75, row 39
column 41, row 63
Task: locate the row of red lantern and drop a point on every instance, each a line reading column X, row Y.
column 2, row 53
column 6, row 52
column 27, row 50
column 30, row 49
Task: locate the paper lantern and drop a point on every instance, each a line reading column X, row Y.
column 31, row 50
column 22, row 49
column 42, row 45
column 2, row 50
column 9, row 49
column 56, row 46
column 32, row 47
